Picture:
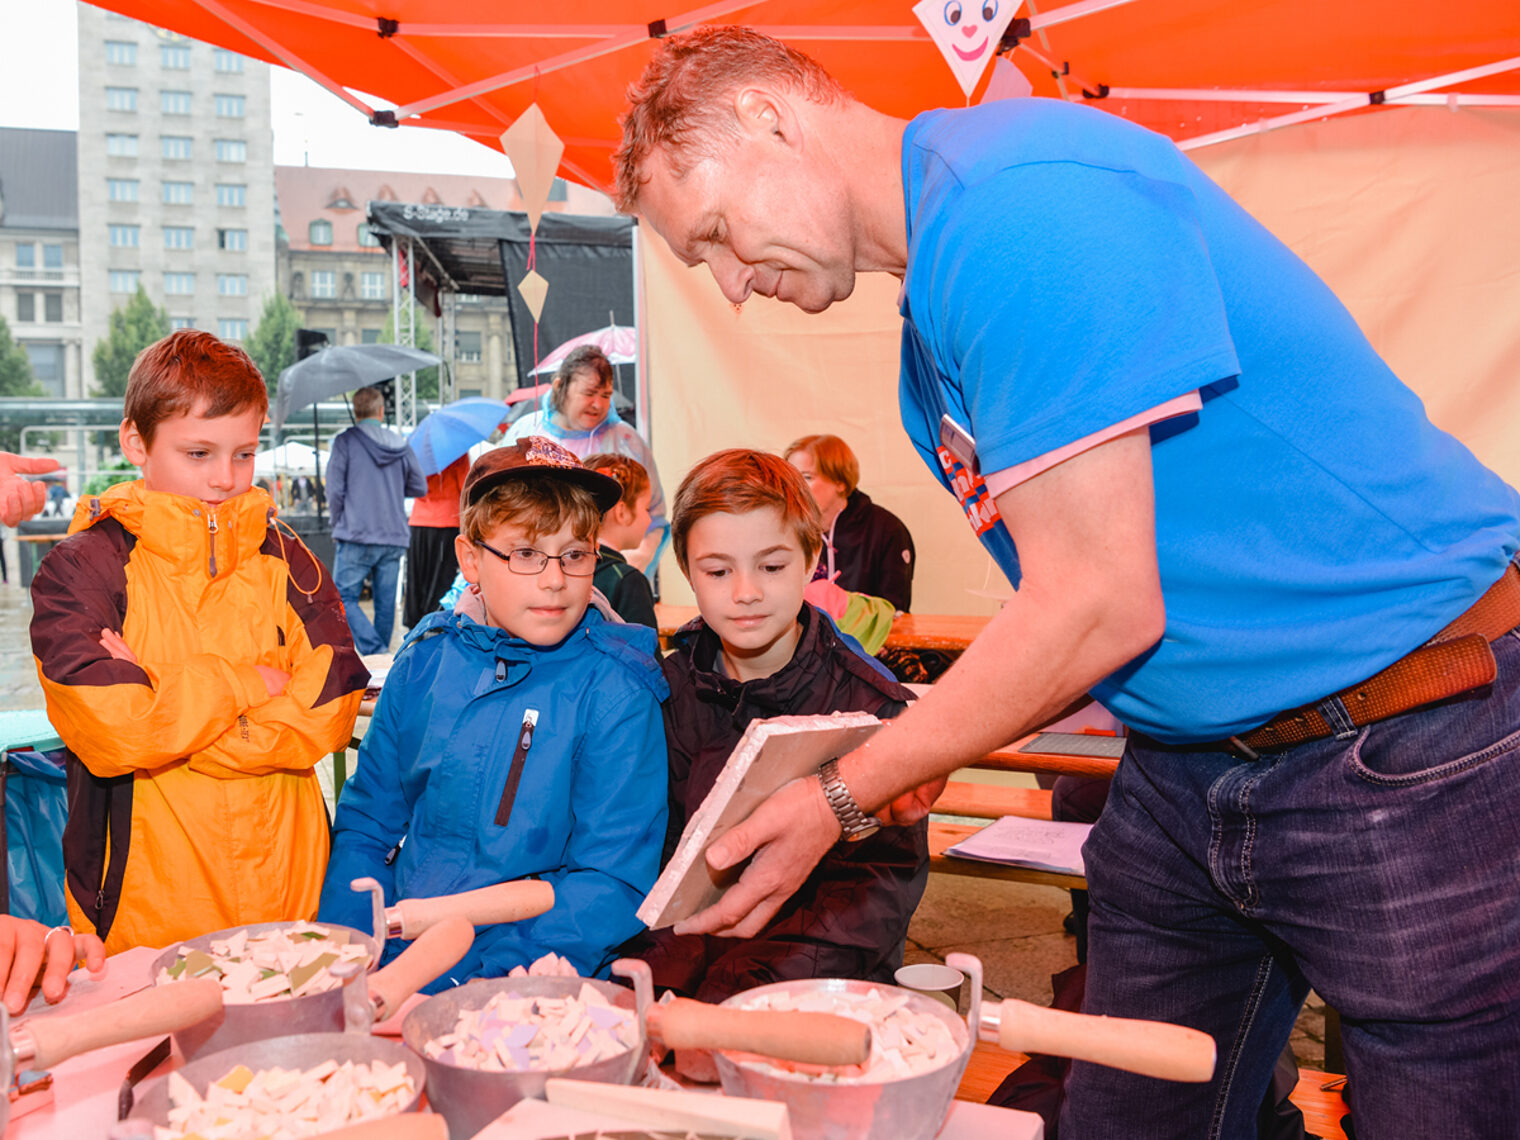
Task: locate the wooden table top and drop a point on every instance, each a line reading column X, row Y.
column 909, row 631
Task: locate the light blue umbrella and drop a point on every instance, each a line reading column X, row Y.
column 443, row 436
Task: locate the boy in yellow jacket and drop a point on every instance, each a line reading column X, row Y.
column 196, row 662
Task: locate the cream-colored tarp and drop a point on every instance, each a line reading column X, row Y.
column 1410, row 215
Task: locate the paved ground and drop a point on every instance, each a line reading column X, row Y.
column 1014, row 928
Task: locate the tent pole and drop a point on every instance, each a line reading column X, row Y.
column 640, row 389
column 316, row 459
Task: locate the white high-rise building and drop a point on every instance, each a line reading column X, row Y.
column 176, row 178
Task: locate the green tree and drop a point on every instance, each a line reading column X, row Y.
column 427, row 378
column 134, row 326
column 15, row 380
column 273, row 343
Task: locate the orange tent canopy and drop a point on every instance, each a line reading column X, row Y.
column 1194, row 69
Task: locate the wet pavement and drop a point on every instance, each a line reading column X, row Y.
column 1014, row 928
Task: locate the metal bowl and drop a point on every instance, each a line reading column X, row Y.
column 257, row 1021
column 469, row 1099
column 302, row 1051
column 909, row 1108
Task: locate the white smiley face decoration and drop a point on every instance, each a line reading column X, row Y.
column 967, row 33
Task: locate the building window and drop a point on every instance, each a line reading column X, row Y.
column 174, row 102
column 235, row 240
column 121, row 98
column 227, row 60
column 330, row 336
column 369, row 336
column 121, row 146
column 179, row 193
column 126, row 237
column 366, row 238
column 122, row 52
column 52, row 261
column 181, row 323
column 467, row 345
column 468, row 298
column 232, row 284
column 179, row 284
column 231, row 194
column 372, row 286
column 47, row 366
column 124, row 280
column 26, row 308
column 229, row 106
column 52, row 308
column 232, row 328
column 320, row 232
column 324, row 283
column 121, row 189
column 179, row 237
column 176, row 146
column 26, row 259
column 174, row 57
column 231, row 150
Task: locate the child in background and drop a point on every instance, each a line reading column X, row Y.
column 441, row 802
column 746, row 535
column 626, row 589
column 196, row 661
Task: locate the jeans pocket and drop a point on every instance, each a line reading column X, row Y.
column 1427, row 755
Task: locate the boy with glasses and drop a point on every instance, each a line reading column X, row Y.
column 518, row 736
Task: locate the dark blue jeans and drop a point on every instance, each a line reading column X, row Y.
column 353, row 563
column 1381, row 867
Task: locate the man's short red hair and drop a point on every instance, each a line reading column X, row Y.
column 191, row 371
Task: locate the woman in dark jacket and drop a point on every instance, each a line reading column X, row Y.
column 867, row 546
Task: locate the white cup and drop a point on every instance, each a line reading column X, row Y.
column 940, row 982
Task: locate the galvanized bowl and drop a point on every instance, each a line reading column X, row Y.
column 469, row 1099
column 301, row 1051
column 910, row 1108
column 256, row 1021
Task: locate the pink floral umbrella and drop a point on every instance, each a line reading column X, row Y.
column 619, row 342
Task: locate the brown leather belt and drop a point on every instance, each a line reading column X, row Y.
column 1454, row 661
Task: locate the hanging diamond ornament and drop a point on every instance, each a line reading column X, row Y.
column 535, row 151
column 534, row 289
column 967, row 33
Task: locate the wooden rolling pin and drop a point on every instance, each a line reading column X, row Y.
column 503, row 902
column 408, row 1126
column 44, row 1042
column 812, row 1038
column 435, row 950
column 1151, row 1048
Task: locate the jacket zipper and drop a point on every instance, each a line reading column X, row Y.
column 211, row 529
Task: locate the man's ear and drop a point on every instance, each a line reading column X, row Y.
column 763, row 112
column 133, row 449
column 468, row 555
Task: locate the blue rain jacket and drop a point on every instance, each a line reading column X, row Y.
column 589, row 812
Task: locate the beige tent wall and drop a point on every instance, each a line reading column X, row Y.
column 1410, row 214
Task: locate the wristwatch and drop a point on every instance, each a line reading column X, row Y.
column 854, row 823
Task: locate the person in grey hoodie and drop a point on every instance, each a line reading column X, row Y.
column 370, row 473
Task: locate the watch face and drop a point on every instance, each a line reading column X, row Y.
column 872, row 826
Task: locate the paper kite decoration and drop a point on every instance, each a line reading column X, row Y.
column 967, row 33
column 535, row 151
column 534, row 289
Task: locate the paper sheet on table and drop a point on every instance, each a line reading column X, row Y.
column 1020, row 842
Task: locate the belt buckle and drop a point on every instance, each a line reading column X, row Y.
column 1243, row 750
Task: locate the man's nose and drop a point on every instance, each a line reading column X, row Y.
column 735, row 279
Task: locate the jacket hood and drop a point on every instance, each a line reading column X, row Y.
column 548, row 427
column 184, row 531
column 631, row 646
column 384, row 446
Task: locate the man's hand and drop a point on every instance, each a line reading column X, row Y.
column 112, row 643
column 275, row 680
column 912, row 805
column 20, row 498
column 23, row 946
column 786, row 835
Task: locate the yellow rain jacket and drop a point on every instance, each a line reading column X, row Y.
column 193, row 803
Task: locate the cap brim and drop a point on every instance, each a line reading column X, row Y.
column 606, row 491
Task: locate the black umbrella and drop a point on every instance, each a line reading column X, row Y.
column 335, row 370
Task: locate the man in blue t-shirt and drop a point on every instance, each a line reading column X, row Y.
column 1226, row 519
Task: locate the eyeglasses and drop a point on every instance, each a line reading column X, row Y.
column 526, row 560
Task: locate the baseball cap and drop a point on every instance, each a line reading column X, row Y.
column 536, row 457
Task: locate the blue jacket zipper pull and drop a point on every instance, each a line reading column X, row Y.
column 519, row 758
